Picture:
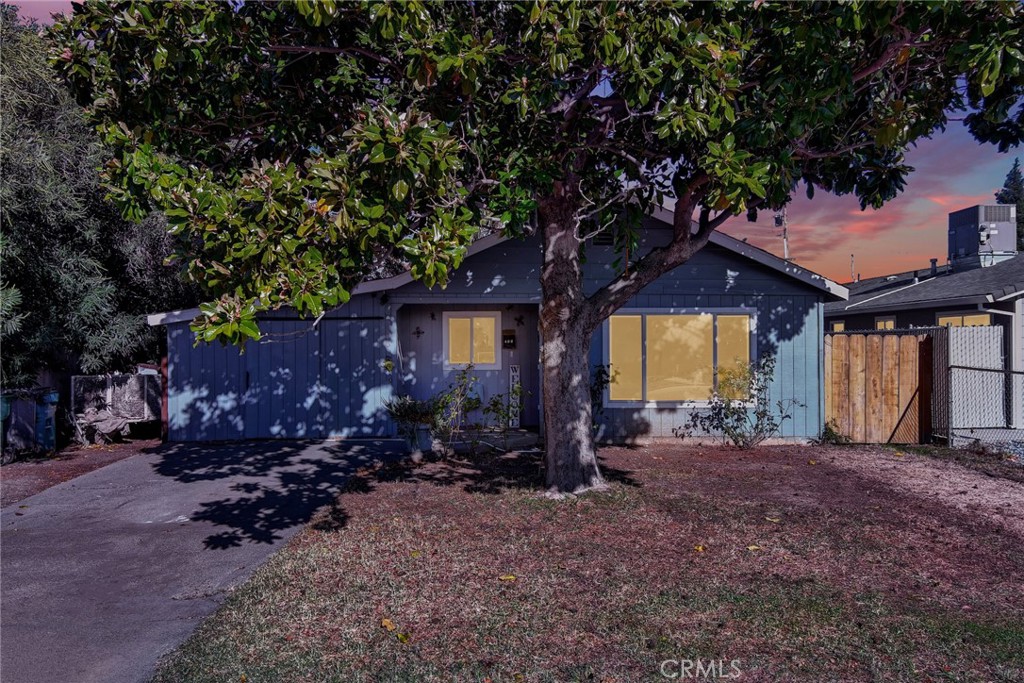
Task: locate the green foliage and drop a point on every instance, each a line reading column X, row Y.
column 75, row 278
column 452, row 405
column 741, row 409
column 1012, row 192
column 599, row 382
column 831, row 436
column 408, row 413
column 293, row 146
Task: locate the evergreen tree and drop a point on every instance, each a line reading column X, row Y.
column 1012, row 192
column 75, row 278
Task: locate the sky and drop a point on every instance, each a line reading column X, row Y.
column 953, row 171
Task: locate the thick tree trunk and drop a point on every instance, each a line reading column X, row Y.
column 570, row 455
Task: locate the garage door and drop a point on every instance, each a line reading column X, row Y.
column 297, row 382
column 315, row 383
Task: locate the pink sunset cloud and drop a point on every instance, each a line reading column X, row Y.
column 952, row 171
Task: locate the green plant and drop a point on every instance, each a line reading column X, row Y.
column 408, row 413
column 740, row 409
column 453, row 405
column 831, row 436
column 599, row 381
column 502, row 408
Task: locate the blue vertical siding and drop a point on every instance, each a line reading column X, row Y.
column 299, row 381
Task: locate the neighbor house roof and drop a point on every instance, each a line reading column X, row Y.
column 948, row 287
column 765, row 258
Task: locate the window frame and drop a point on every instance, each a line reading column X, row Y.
column 963, row 314
column 884, row 319
column 607, row 402
column 495, row 316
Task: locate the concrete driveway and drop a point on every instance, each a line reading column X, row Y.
column 105, row 573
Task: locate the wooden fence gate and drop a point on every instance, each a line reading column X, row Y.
column 878, row 386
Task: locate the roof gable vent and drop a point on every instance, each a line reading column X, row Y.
column 605, row 238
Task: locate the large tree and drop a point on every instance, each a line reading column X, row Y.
column 1012, row 192
column 291, row 144
column 76, row 279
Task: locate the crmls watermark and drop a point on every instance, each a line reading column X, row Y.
column 700, row 668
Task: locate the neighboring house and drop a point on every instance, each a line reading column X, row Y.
column 728, row 305
column 982, row 284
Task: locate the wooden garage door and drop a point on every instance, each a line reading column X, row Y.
column 354, row 383
column 315, row 383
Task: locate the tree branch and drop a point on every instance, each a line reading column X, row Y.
column 658, row 261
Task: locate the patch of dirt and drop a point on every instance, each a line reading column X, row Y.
column 948, row 483
column 19, row 480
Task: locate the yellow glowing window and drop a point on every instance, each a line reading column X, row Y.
column 885, row 323
column 734, row 356
column 671, row 357
column 966, row 320
column 839, row 326
column 626, row 348
column 978, row 319
column 680, row 360
column 472, row 338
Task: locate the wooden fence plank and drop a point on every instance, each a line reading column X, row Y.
column 828, row 378
column 907, row 428
column 858, row 393
column 890, row 385
column 841, row 395
column 873, row 388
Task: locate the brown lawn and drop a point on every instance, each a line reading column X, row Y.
column 802, row 564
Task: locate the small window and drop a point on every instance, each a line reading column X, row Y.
column 660, row 357
column 964, row 319
column 472, row 338
column 839, row 326
column 887, row 322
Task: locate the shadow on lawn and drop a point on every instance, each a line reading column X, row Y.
column 277, row 486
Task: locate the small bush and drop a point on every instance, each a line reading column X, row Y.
column 740, row 409
column 831, row 436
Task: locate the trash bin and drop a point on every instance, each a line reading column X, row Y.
column 46, row 420
column 6, row 401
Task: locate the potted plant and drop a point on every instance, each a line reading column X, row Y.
column 415, row 420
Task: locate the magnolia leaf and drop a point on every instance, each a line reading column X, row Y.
column 400, row 189
column 753, row 547
column 507, row 577
column 388, row 624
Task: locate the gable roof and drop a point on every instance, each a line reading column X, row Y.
column 1004, row 280
column 832, row 290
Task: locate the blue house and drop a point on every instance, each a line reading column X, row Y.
column 729, row 304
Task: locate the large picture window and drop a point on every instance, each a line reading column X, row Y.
column 472, row 338
column 666, row 357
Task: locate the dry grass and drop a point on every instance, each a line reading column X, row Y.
column 798, row 563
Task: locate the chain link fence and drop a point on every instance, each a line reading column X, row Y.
column 977, row 399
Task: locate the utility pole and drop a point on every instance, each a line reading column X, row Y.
column 781, row 222
column 852, row 275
